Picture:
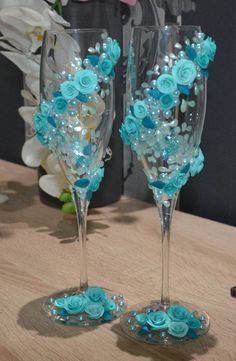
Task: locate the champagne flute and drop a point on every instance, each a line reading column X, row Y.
column 166, row 103
column 75, row 122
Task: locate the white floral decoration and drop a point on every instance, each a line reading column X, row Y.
column 22, row 23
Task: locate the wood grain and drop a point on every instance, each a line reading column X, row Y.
column 38, row 254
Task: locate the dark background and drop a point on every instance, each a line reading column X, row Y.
column 212, row 193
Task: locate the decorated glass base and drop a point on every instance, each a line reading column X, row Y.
column 88, row 308
column 178, row 323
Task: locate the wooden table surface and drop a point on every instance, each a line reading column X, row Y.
column 38, row 255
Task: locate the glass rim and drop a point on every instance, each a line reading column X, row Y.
column 164, row 27
column 76, row 31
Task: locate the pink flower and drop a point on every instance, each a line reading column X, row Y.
column 129, row 2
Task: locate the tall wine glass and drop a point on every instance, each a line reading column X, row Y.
column 166, row 103
column 75, row 122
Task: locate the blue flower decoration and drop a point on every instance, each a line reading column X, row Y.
column 93, row 59
column 148, row 123
column 86, row 81
column 166, row 83
column 141, row 318
column 158, row 320
column 179, row 180
column 45, row 108
column 69, row 90
column 41, row 127
column 140, row 109
column 184, row 72
column 178, row 313
column 209, row 47
column 96, row 294
column 194, row 323
column 59, row 302
column 155, row 93
column 113, row 50
column 197, row 164
column 94, row 310
column 132, row 125
column 191, row 52
column 170, row 189
column 167, row 101
column 60, row 104
column 96, row 180
column 178, row 329
column 124, row 135
column 75, row 304
column 109, row 305
column 105, row 66
column 202, row 60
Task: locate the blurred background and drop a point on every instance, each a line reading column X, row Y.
column 211, row 194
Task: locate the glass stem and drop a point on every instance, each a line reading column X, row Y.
column 166, row 214
column 81, row 206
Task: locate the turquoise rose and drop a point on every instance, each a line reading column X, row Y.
column 140, row 109
column 124, row 135
column 40, row 123
column 75, row 304
column 96, row 180
column 170, row 189
column 94, row 310
column 166, row 84
column 158, row 320
column 86, row 81
column 141, row 318
column 167, row 101
column 209, row 47
column 197, row 164
column 113, row 50
column 109, row 305
column 59, row 302
column 178, row 329
column 69, row 90
column 180, row 180
column 96, row 294
column 194, row 323
column 178, row 312
column 105, row 66
column 60, row 104
column 202, row 60
column 184, row 72
column 132, row 125
column 45, row 108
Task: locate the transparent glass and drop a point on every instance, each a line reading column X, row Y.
column 80, row 141
column 151, row 50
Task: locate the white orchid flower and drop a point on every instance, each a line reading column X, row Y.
column 38, row 5
column 54, row 182
column 23, row 27
column 27, row 113
column 27, row 95
column 33, row 153
column 22, row 23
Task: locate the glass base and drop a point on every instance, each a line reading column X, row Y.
column 88, row 308
column 176, row 324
